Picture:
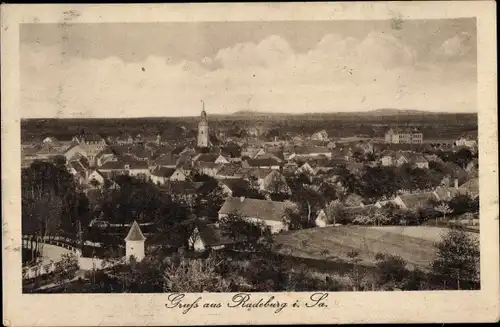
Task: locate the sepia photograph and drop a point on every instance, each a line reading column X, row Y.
column 249, row 156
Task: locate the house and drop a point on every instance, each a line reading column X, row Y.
column 161, row 175
column 125, row 165
column 466, row 141
column 471, row 187
column 235, row 187
column 401, row 160
column 433, row 158
column 208, row 168
column 269, row 180
column 414, row 201
column 445, row 193
column 387, row 158
column 307, row 151
column 272, row 213
column 209, row 237
column 78, row 170
column 167, row 160
column 404, row 135
column 105, row 156
column 231, row 150
column 50, row 140
column 342, row 153
column 320, row 136
column 211, row 158
column 75, row 151
column 321, row 219
column 96, row 178
column 305, row 169
column 265, row 163
column 419, row 161
column 181, row 190
column 232, row 171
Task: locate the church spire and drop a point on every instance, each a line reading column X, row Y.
column 203, row 112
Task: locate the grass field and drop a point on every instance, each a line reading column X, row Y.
column 414, row 244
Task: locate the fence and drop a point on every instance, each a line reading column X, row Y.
column 60, row 241
column 39, row 269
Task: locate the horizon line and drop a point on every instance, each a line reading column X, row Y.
column 257, row 113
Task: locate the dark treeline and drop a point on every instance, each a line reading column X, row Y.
column 434, row 126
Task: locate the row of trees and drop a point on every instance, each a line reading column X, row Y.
column 51, row 203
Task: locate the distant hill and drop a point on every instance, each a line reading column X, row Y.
column 252, row 113
column 376, row 112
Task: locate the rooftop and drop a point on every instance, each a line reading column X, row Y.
column 262, row 209
column 135, row 233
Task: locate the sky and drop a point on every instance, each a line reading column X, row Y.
column 166, row 69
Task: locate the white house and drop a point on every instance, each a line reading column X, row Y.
column 75, row 151
column 321, row 219
column 96, row 176
column 466, row 141
column 209, row 236
column 272, row 213
column 320, row 136
column 161, row 175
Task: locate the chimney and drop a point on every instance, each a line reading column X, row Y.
column 456, row 183
column 242, row 198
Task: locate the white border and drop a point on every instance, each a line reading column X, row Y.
column 344, row 307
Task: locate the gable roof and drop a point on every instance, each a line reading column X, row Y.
column 472, row 186
column 265, row 162
column 163, row 171
column 310, row 150
column 77, row 166
column 235, row 183
column 213, row 235
column 181, row 187
column 206, row 157
column 262, row 209
column 232, row 170
column 208, row 165
column 165, row 159
column 445, row 193
column 135, row 233
column 259, row 172
column 414, row 200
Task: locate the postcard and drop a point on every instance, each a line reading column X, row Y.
column 249, row 163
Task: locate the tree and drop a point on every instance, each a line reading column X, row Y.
column 463, row 203
column 293, row 219
column 66, row 268
column 247, row 234
column 336, row 212
column 462, row 157
column 444, row 209
column 457, row 257
column 198, row 275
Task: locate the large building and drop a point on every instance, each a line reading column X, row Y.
column 203, row 129
column 404, row 136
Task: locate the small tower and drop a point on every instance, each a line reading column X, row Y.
column 134, row 243
column 203, row 128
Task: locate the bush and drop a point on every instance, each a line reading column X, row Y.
column 392, row 271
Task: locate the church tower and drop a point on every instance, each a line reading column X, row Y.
column 203, row 129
